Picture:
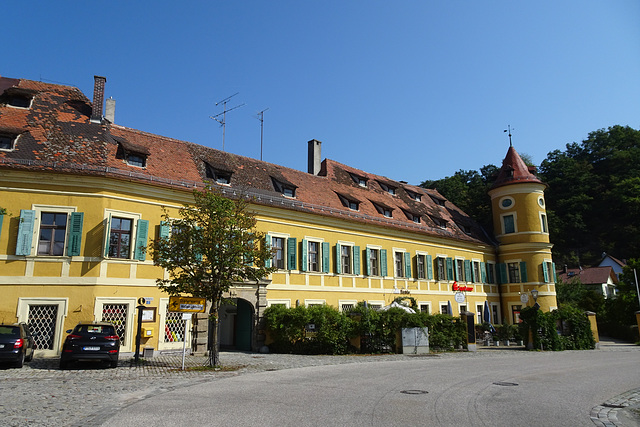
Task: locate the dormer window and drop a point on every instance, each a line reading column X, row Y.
column 437, row 200
column 217, row 175
column 361, row 181
column 8, row 141
column 465, row 228
column 413, row 217
column 132, row 154
column 287, row 190
column 19, row 101
column 415, row 196
column 349, row 203
column 387, row 188
column 136, row 159
column 384, row 210
column 439, row 222
column 17, row 97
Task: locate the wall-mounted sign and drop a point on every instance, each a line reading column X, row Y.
column 187, row 304
column 459, row 297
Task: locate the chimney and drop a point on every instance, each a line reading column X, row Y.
column 110, row 110
column 98, row 99
column 313, row 160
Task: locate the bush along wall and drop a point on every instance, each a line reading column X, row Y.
column 567, row 328
column 289, row 329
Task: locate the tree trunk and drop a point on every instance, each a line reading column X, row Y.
column 214, row 354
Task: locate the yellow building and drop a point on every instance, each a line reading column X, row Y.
column 83, row 196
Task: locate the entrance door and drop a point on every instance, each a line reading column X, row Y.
column 244, row 325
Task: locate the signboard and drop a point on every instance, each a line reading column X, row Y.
column 187, row 304
column 524, row 298
column 459, row 297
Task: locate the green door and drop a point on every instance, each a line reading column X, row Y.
column 244, row 322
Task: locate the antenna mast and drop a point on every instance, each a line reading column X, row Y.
column 261, row 118
column 223, row 121
column 509, row 130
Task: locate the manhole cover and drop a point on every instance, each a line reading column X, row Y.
column 505, row 383
column 414, row 391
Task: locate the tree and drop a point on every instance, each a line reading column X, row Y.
column 211, row 246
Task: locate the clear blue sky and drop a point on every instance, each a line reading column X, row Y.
column 411, row 90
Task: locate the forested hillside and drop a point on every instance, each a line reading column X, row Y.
column 593, row 199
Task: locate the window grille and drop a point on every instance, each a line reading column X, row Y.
column 42, row 322
column 174, row 327
column 117, row 314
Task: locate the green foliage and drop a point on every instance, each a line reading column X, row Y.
column 567, row 328
column 377, row 329
column 3, row 211
column 576, row 295
column 620, row 320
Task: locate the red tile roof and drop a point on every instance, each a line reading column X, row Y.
column 589, row 276
column 514, row 170
column 56, row 134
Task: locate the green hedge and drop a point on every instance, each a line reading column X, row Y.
column 567, row 328
column 377, row 329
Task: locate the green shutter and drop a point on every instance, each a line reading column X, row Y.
column 553, row 268
column 449, row 268
column 326, row 255
column 483, row 272
column 291, row 253
column 338, row 259
column 468, row 276
column 164, row 230
column 356, row 260
column 383, row 262
column 545, row 273
column 267, row 242
column 75, row 234
column 1, row 218
column 429, row 267
column 502, row 272
column 455, row 270
column 523, row 272
column 141, row 240
column 107, row 232
column 25, row 232
column 367, row 262
column 304, row 265
column 407, row 265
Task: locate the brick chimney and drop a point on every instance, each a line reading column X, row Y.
column 98, row 99
column 314, row 160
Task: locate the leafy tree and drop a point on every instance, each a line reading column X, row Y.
column 577, row 295
column 211, row 246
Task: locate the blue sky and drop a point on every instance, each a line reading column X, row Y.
column 411, row 90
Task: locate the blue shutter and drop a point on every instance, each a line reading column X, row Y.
column 502, row 271
column 553, row 268
column 338, row 259
column 326, row 255
column 523, row 272
column 305, row 257
column 456, row 272
column 165, row 229
column 429, row 267
column 449, row 268
column 25, row 232
column 545, row 273
column 383, row 262
column 75, row 234
column 407, row 265
column 141, row 240
column 356, row 260
column 483, row 272
column 367, row 262
column 268, row 261
column 291, row 253
column 468, row 276
column 107, row 235
column 1, row 218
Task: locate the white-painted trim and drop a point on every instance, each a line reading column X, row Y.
column 285, row 302
column 127, row 346
column 309, row 302
column 63, row 307
column 162, row 344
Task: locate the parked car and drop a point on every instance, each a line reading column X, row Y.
column 16, row 344
column 90, row 341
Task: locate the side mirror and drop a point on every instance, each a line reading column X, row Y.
column 69, row 331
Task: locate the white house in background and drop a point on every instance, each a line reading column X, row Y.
column 600, row 279
column 614, row 263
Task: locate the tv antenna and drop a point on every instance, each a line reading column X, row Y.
column 223, row 120
column 260, row 117
column 509, row 130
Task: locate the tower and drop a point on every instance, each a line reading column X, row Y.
column 520, row 226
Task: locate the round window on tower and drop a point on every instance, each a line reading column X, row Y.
column 506, row 202
column 541, row 202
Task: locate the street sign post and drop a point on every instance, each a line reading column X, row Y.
column 187, row 304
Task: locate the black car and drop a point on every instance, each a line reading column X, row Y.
column 91, row 341
column 16, row 344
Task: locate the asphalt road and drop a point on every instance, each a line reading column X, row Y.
column 513, row 388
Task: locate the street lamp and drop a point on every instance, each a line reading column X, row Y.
column 534, row 295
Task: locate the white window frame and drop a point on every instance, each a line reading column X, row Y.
column 63, row 307
column 462, row 274
column 494, row 320
column 162, row 344
column 134, row 217
column 397, row 251
column 424, row 304
column 311, row 302
column 14, row 141
column 351, row 246
column 129, row 334
column 477, row 274
column 515, row 222
column 285, row 248
column 375, row 305
column 444, row 304
column 544, row 225
column 320, row 254
column 285, row 302
column 35, row 238
column 378, row 267
column 342, row 302
column 502, row 199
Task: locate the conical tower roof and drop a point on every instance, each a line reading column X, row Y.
column 514, row 170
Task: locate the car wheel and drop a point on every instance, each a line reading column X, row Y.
column 20, row 361
column 113, row 363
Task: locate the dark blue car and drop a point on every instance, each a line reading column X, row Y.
column 16, row 344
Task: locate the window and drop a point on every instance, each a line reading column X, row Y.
column 476, row 271
column 383, row 210
column 135, row 159
column 347, row 258
column 17, row 97
column 491, row 273
column 420, row 266
column 217, row 175
column 387, row 188
column 465, row 228
column 349, row 203
column 508, row 224
column 314, row 253
column 543, row 223
column 548, row 271
column 479, row 311
column 460, row 270
column 373, row 262
column 413, row 217
column 53, row 230
column 415, row 196
column 439, row 222
column 506, row 202
column 440, row 268
column 361, row 181
column 494, row 314
column 347, row 306
column 7, row 141
column 19, row 101
column 315, row 256
column 402, row 264
column 444, row 308
column 277, row 246
column 438, row 201
column 514, row 272
column 424, row 307
column 120, row 238
column 286, row 189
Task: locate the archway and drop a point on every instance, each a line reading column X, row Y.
column 236, row 325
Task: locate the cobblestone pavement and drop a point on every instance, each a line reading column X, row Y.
column 40, row 394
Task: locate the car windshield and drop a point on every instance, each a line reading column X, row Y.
column 10, row 331
column 95, row 329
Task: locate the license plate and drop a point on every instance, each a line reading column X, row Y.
column 91, row 348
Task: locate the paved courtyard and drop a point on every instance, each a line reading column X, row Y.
column 41, row 395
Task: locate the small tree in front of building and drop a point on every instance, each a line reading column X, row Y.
column 211, row 246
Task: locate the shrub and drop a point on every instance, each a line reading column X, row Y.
column 567, row 328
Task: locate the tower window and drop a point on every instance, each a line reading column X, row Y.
column 509, row 224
